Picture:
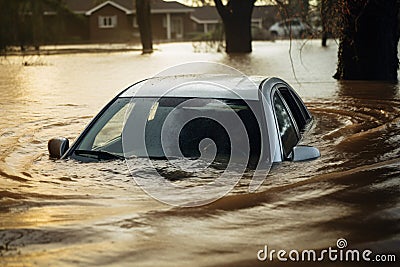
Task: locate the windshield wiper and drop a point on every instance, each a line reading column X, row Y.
column 156, row 157
column 99, row 154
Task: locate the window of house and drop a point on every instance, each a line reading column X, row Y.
column 107, row 21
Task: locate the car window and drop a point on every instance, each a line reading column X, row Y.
column 111, row 130
column 286, row 127
column 303, row 108
column 296, row 106
column 105, row 134
column 198, row 129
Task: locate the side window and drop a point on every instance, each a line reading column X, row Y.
column 286, row 127
column 303, row 108
column 297, row 108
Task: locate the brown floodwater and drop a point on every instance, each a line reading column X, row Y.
column 66, row 213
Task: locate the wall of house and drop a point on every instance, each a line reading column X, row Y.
column 122, row 32
column 187, row 26
column 175, row 33
column 158, row 27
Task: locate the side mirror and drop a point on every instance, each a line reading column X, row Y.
column 303, row 153
column 57, row 147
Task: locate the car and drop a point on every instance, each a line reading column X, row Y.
column 268, row 110
column 291, row 27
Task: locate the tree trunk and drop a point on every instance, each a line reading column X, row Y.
column 236, row 17
column 325, row 18
column 368, row 41
column 37, row 26
column 144, row 23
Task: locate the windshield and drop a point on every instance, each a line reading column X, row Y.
column 106, row 134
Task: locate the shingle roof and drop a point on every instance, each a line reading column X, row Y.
column 159, row 4
column 199, row 14
column 204, row 14
column 82, row 6
column 119, row 4
column 209, row 14
column 265, row 11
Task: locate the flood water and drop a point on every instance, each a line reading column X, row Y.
column 63, row 213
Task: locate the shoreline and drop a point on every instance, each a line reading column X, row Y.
column 73, row 49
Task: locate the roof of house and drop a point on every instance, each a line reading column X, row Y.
column 160, row 6
column 265, row 11
column 122, row 5
column 209, row 14
column 128, row 6
column 205, row 14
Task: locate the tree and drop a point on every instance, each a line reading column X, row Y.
column 23, row 22
column 368, row 41
column 236, row 17
column 144, row 23
column 328, row 10
column 299, row 8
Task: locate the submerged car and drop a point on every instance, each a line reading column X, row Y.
column 272, row 114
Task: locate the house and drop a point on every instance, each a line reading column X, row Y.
column 111, row 21
column 266, row 15
column 115, row 20
column 170, row 20
column 206, row 18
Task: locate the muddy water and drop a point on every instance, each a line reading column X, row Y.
column 63, row 213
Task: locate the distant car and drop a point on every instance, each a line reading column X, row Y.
column 291, row 27
column 270, row 103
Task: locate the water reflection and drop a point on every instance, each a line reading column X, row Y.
column 369, row 90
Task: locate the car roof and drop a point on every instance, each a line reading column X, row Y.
column 219, row 86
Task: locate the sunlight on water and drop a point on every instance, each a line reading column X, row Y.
column 63, row 213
